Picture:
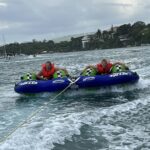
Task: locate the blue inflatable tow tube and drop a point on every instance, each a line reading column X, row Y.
column 107, row 80
column 37, row 86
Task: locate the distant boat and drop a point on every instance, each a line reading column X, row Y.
column 22, row 54
column 6, row 56
column 4, row 46
column 32, row 56
column 1, row 57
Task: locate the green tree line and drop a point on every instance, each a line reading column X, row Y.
column 121, row 36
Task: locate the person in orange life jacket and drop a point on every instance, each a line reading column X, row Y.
column 104, row 67
column 48, row 69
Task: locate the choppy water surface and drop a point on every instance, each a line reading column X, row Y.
column 116, row 118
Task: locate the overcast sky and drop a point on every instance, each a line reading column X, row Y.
column 24, row 20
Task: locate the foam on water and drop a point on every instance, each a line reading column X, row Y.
column 141, row 85
column 108, row 118
column 42, row 133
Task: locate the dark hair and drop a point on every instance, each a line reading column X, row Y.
column 48, row 62
column 104, row 60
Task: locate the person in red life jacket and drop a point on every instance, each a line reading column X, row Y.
column 104, row 67
column 47, row 71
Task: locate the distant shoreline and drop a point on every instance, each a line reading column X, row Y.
column 124, row 36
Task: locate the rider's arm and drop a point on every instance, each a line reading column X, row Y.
column 39, row 75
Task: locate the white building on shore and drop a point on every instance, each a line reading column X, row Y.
column 85, row 40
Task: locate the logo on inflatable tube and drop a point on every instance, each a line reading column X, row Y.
column 58, row 81
column 88, row 79
column 119, row 74
column 29, row 82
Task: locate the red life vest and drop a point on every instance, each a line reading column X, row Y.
column 103, row 70
column 47, row 73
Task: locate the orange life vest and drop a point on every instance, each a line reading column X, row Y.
column 103, row 70
column 47, row 73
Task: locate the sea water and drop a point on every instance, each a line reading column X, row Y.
column 115, row 118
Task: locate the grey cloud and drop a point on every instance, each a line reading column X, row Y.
column 53, row 18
